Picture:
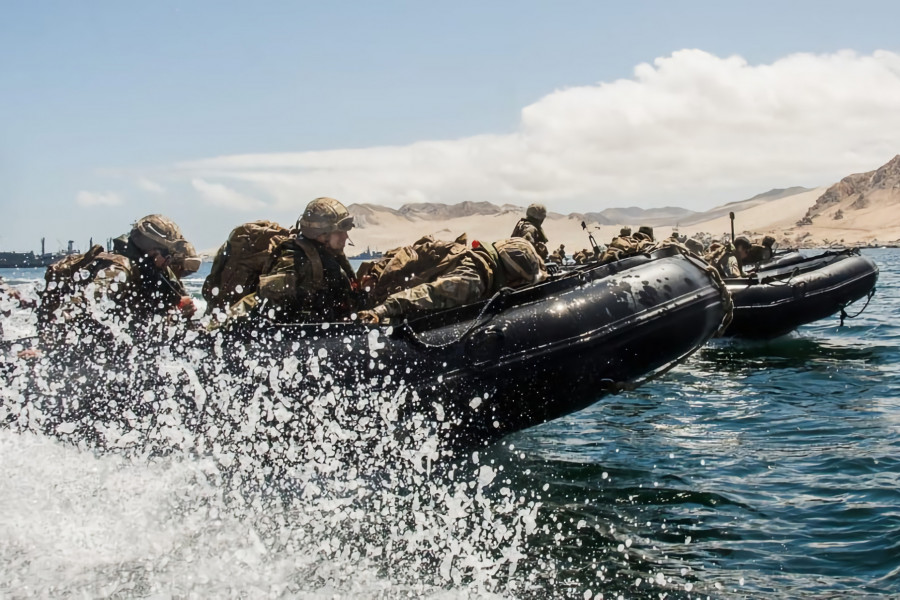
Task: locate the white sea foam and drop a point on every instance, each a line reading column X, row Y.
column 299, row 487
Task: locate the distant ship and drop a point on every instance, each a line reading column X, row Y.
column 368, row 254
column 28, row 260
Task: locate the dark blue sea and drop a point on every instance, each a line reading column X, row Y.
column 754, row 470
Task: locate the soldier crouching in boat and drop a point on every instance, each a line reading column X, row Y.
column 467, row 276
column 125, row 289
column 729, row 259
column 762, row 251
column 311, row 279
column 530, row 228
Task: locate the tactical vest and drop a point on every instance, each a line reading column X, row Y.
column 524, row 225
column 327, row 292
column 247, row 253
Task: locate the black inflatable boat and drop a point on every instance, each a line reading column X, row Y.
column 465, row 377
column 792, row 290
column 519, row 359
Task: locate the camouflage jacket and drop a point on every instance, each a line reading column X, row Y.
column 471, row 278
column 308, row 283
column 531, row 231
column 127, row 277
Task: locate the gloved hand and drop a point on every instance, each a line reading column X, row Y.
column 368, row 316
column 187, row 307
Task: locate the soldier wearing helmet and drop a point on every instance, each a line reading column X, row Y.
column 141, row 276
column 531, row 229
column 762, row 251
column 474, row 274
column 311, row 279
column 729, row 258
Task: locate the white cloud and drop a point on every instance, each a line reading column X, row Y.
column 89, row 199
column 222, row 196
column 150, row 186
column 691, row 129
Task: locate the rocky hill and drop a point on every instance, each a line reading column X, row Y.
column 857, row 192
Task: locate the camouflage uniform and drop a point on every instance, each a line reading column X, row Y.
column 530, row 229
column 732, row 267
column 291, row 292
column 310, row 281
column 128, row 276
column 468, row 281
column 724, row 257
column 478, row 273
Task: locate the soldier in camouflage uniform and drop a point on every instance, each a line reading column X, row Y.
column 311, row 279
column 530, row 229
column 476, row 274
column 645, row 232
column 729, row 258
column 141, row 276
column 761, row 252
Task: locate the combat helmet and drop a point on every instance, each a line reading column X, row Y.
column 537, row 212
column 157, row 232
column 742, row 242
column 520, row 262
column 324, row 215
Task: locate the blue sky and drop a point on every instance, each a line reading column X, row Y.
column 113, row 110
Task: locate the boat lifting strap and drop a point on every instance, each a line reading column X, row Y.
column 493, row 306
column 844, row 314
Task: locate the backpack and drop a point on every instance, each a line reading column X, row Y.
column 408, row 266
column 248, row 253
column 73, row 272
column 718, row 256
column 624, row 246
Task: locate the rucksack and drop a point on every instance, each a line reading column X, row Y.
column 408, row 266
column 68, row 275
column 717, row 256
column 247, row 254
column 624, row 246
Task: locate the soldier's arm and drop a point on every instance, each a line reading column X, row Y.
column 733, row 268
column 462, row 285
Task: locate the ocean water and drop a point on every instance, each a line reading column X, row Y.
column 754, row 470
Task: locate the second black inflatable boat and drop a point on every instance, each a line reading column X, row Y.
column 793, row 289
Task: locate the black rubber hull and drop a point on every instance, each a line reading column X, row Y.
column 535, row 355
column 456, row 379
column 778, row 300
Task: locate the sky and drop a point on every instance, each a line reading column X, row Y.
column 218, row 113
